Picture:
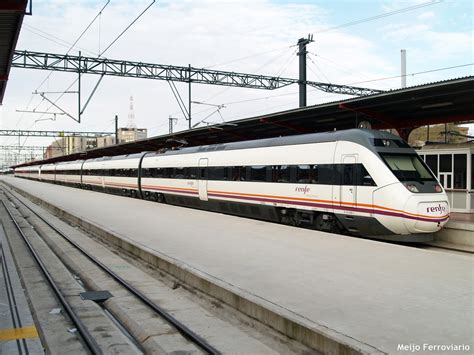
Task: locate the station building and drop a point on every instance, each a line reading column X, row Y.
column 453, row 165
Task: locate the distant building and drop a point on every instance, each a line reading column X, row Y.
column 451, row 133
column 128, row 134
column 105, row 141
column 70, row 145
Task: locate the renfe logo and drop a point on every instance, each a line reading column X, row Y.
column 438, row 208
column 304, row 190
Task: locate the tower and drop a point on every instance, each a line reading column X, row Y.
column 131, row 115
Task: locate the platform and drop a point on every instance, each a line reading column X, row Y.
column 458, row 233
column 373, row 296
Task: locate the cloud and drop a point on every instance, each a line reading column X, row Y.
column 426, row 16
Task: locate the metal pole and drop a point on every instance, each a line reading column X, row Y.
column 79, row 90
column 302, row 65
column 116, row 130
column 403, row 53
column 189, row 97
column 302, row 42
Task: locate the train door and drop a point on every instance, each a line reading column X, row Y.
column 348, row 189
column 202, row 179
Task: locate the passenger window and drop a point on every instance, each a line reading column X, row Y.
column 238, row 173
column 326, row 175
column 363, row 177
column 303, row 174
column 258, row 173
column 281, row 173
column 216, row 173
column 179, row 173
column 193, row 172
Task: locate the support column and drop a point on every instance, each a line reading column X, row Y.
column 302, row 42
column 189, row 99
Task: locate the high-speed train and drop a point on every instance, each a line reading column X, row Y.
column 361, row 182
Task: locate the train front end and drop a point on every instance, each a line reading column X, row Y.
column 417, row 196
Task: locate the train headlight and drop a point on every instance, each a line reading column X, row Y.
column 411, row 187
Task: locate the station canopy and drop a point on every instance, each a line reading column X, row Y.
column 11, row 18
column 402, row 109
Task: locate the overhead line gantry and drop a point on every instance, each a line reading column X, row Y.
column 130, row 69
column 171, row 73
column 26, row 133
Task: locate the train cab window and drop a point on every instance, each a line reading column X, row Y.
column 408, row 167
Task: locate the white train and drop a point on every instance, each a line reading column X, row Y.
column 362, row 182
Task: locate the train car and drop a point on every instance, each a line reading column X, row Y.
column 69, row 173
column 47, row 172
column 120, row 175
column 361, row 182
column 92, row 175
column 28, row 172
column 117, row 175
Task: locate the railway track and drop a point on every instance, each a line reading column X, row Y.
column 90, row 342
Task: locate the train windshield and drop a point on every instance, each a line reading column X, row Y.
column 408, row 167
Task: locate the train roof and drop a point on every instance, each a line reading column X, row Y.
column 364, row 137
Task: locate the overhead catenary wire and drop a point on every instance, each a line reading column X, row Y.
column 54, row 39
column 79, row 38
column 107, row 48
column 413, row 74
column 71, row 46
column 268, row 62
column 385, row 14
column 339, row 66
column 126, row 29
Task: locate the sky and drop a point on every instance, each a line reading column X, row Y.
column 355, row 43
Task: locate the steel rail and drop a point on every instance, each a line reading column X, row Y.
column 180, row 327
column 86, row 336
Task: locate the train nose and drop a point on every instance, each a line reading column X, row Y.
column 430, row 216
